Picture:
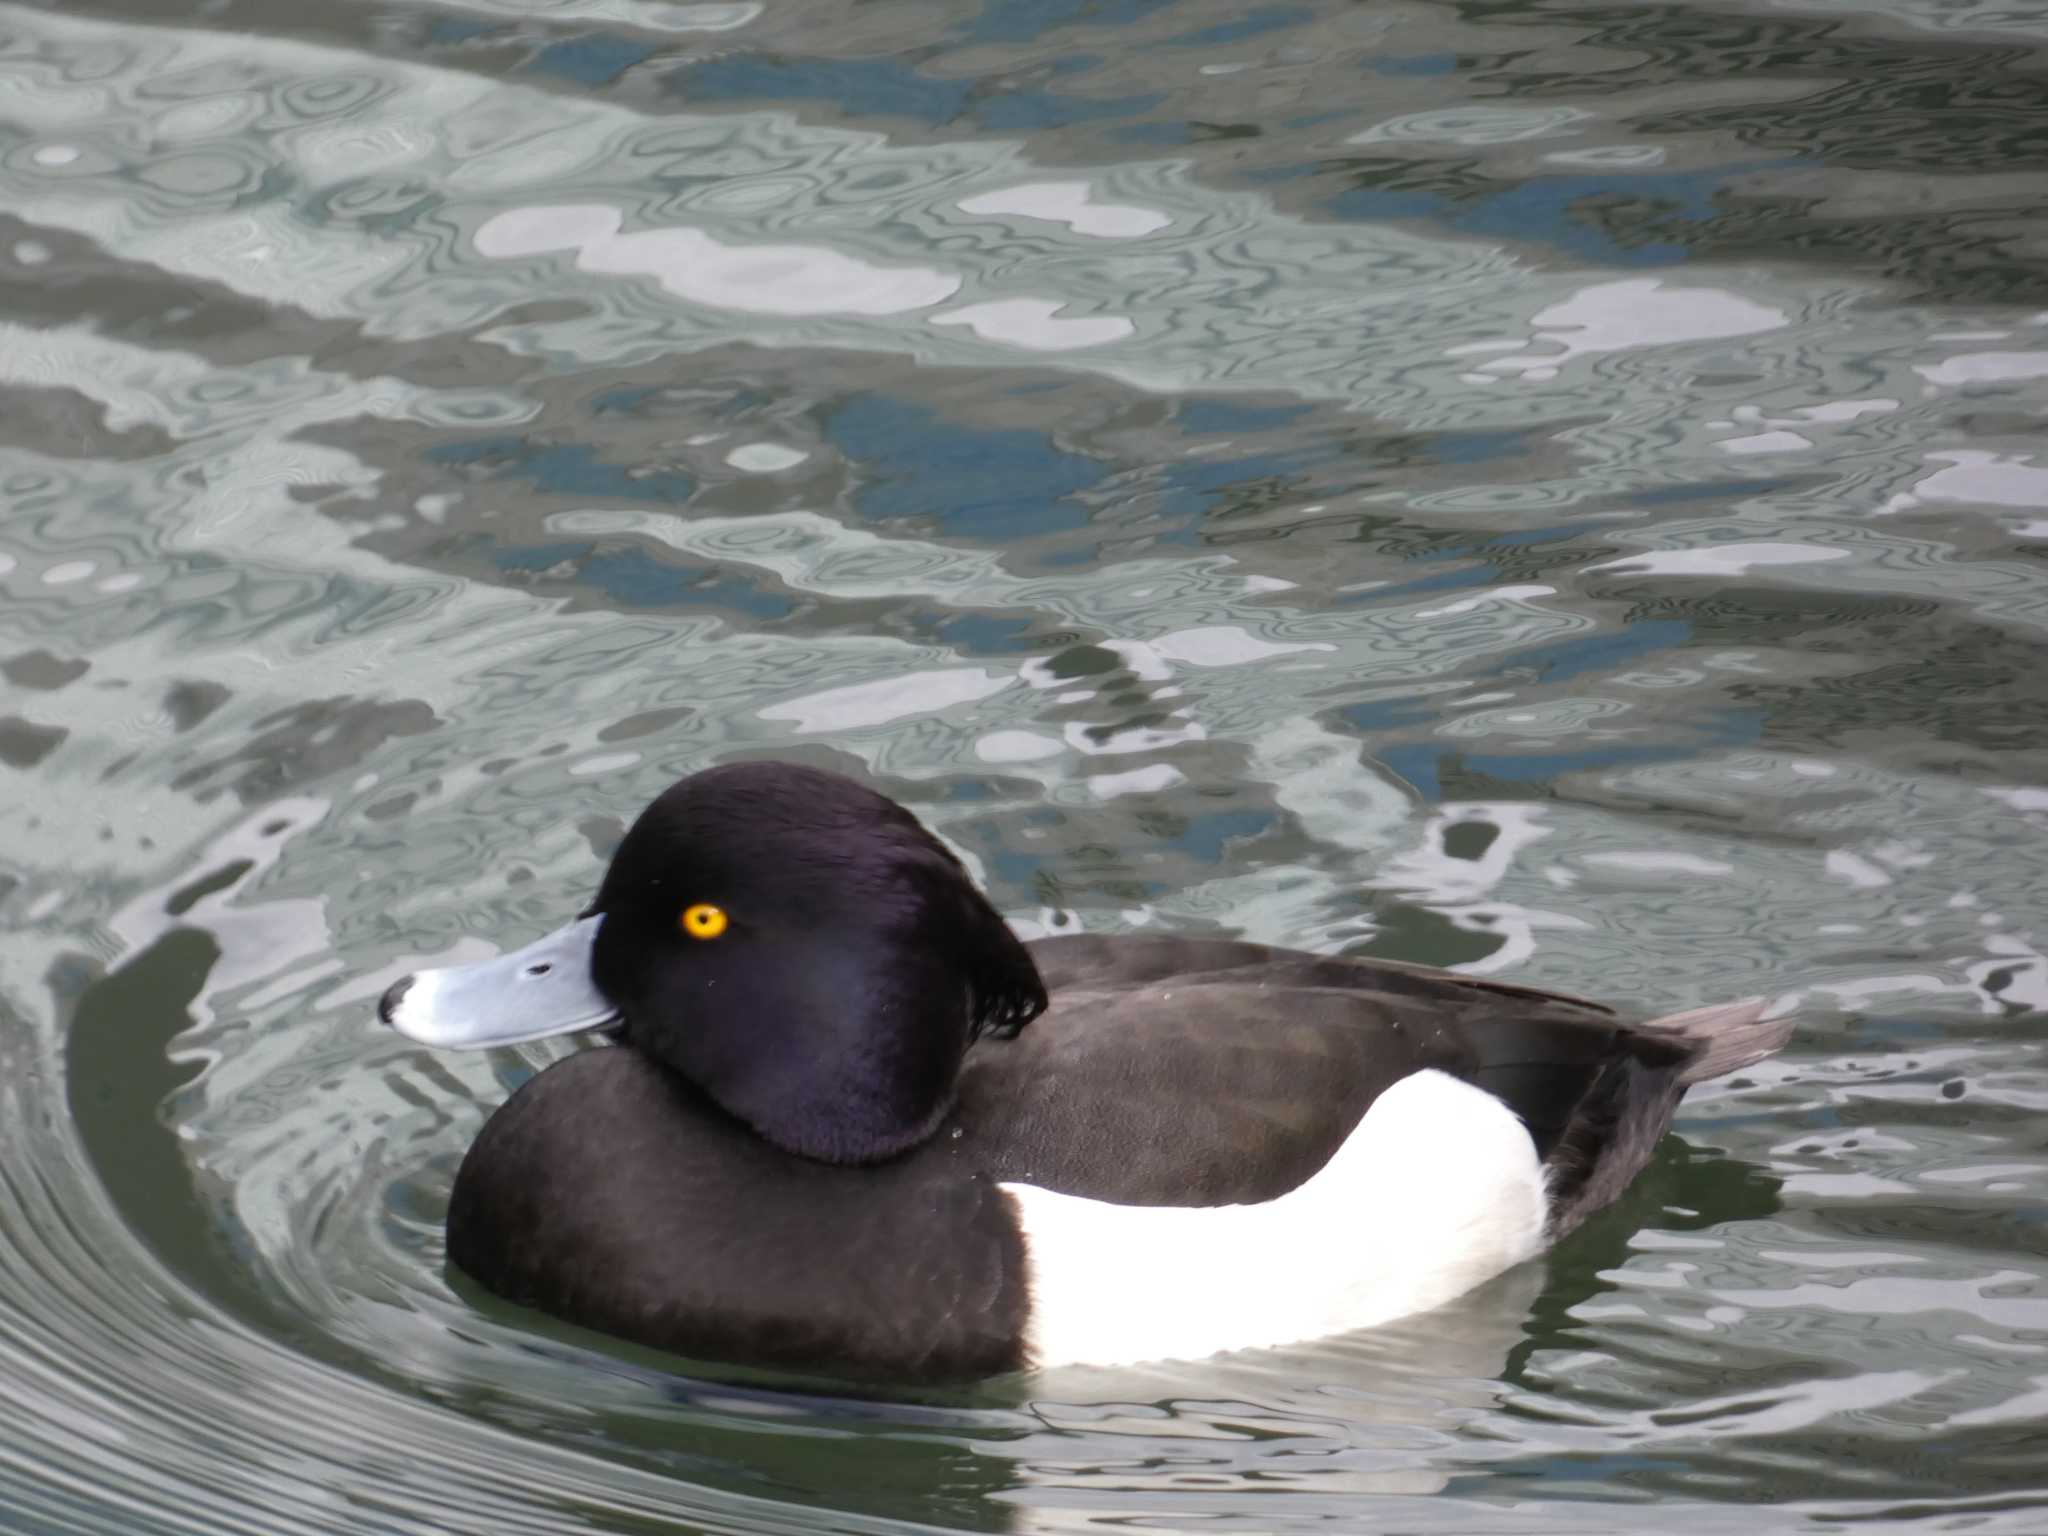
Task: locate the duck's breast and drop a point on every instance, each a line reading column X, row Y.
column 609, row 1193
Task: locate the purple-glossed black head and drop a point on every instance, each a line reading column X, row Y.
column 794, row 943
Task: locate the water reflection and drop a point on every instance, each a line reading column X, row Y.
column 1556, row 492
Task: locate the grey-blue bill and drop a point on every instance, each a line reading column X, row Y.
column 531, row 993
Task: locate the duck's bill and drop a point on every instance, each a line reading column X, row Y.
column 541, row 990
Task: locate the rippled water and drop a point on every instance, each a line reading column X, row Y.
column 1556, row 488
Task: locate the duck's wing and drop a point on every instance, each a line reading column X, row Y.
column 1180, row 1071
column 1122, row 960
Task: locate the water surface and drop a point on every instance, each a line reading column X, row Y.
column 1550, row 488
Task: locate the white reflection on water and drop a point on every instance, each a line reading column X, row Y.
column 1980, row 477
column 1659, row 862
column 257, row 939
column 765, row 458
column 1474, row 124
column 1153, row 779
column 1766, row 442
column 1069, row 203
column 1609, row 157
column 1016, row 747
column 1211, row 645
column 1036, row 325
column 1985, row 368
column 861, row 706
column 754, row 279
column 654, row 15
column 1507, row 594
column 1721, row 559
column 1635, row 312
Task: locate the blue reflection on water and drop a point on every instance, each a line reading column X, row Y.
column 597, row 59
column 890, row 87
column 1205, row 837
column 1421, row 586
column 1424, row 765
column 1195, row 488
column 1272, row 19
column 632, row 576
column 1421, row 65
column 568, row 469
column 1563, row 660
column 451, row 31
column 1024, row 21
column 1554, row 209
column 981, row 634
column 1200, row 416
column 1003, row 484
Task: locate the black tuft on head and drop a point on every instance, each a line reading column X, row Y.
column 857, row 963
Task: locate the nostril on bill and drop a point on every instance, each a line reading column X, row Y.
column 387, row 1005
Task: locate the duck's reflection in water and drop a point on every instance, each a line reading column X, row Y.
column 1373, row 1412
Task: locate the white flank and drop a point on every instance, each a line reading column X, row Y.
column 1436, row 1190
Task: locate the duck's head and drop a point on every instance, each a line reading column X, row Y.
column 794, row 943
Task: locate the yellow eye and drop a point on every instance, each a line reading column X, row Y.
column 704, row 921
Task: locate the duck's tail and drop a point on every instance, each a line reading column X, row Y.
column 1616, row 1127
column 1722, row 1037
